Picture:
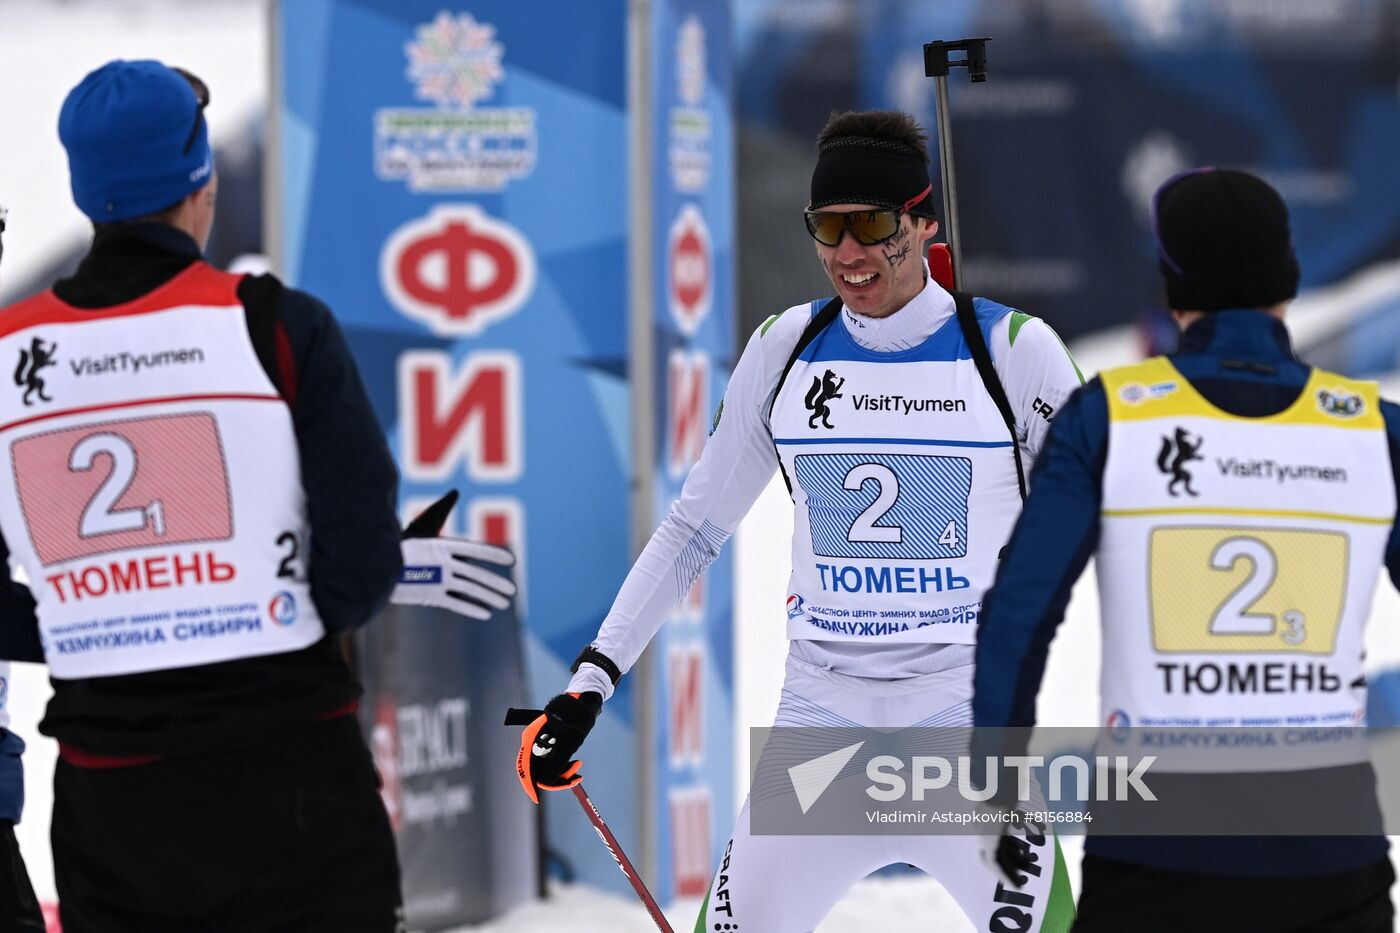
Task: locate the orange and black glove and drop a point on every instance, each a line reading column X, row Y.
column 551, row 736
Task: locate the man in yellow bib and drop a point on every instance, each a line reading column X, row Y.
column 1240, row 505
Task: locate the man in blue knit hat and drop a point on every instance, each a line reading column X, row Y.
column 1239, row 505
column 198, row 490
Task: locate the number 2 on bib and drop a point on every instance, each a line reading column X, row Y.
column 1232, row 589
column 102, row 517
column 892, row 506
column 119, row 485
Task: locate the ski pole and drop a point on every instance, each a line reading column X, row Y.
column 936, row 66
column 620, row 857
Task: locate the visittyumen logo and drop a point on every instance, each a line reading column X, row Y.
column 824, row 389
column 1177, row 451
column 32, row 362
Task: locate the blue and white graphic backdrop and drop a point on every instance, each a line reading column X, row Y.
column 453, row 185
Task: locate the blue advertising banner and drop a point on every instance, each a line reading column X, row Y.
column 452, row 182
column 694, row 316
column 1088, row 106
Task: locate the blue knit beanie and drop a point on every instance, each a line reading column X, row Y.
column 136, row 138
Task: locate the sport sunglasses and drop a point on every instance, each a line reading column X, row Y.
column 868, row 227
column 201, row 97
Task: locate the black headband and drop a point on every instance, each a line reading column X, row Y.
column 880, row 172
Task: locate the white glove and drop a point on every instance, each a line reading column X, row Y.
column 445, row 573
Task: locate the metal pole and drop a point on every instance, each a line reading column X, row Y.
column 947, row 175
column 641, row 355
column 936, row 66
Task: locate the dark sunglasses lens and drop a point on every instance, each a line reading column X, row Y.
column 825, row 228
column 201, row 90
column 874, row 226
column 868, row 227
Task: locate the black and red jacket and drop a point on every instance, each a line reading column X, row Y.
column 350, row 485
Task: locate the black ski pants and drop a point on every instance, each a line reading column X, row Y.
column 286, row 836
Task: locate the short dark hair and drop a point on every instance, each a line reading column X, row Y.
column 893, row 125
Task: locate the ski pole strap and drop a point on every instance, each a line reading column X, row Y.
column 819, row 322
column 591, row 655
column 516, row 716
column 982, row 357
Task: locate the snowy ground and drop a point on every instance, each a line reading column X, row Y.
column 876, row 904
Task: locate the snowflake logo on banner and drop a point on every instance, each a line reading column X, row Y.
column 455, row 60
column 690, row 62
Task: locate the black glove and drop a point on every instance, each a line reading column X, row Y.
column 551, row 737
column 1008, row 853
column 429, row 522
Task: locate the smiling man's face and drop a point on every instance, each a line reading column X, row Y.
column 877, row 280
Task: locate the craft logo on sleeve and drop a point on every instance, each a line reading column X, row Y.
column 455, row 63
